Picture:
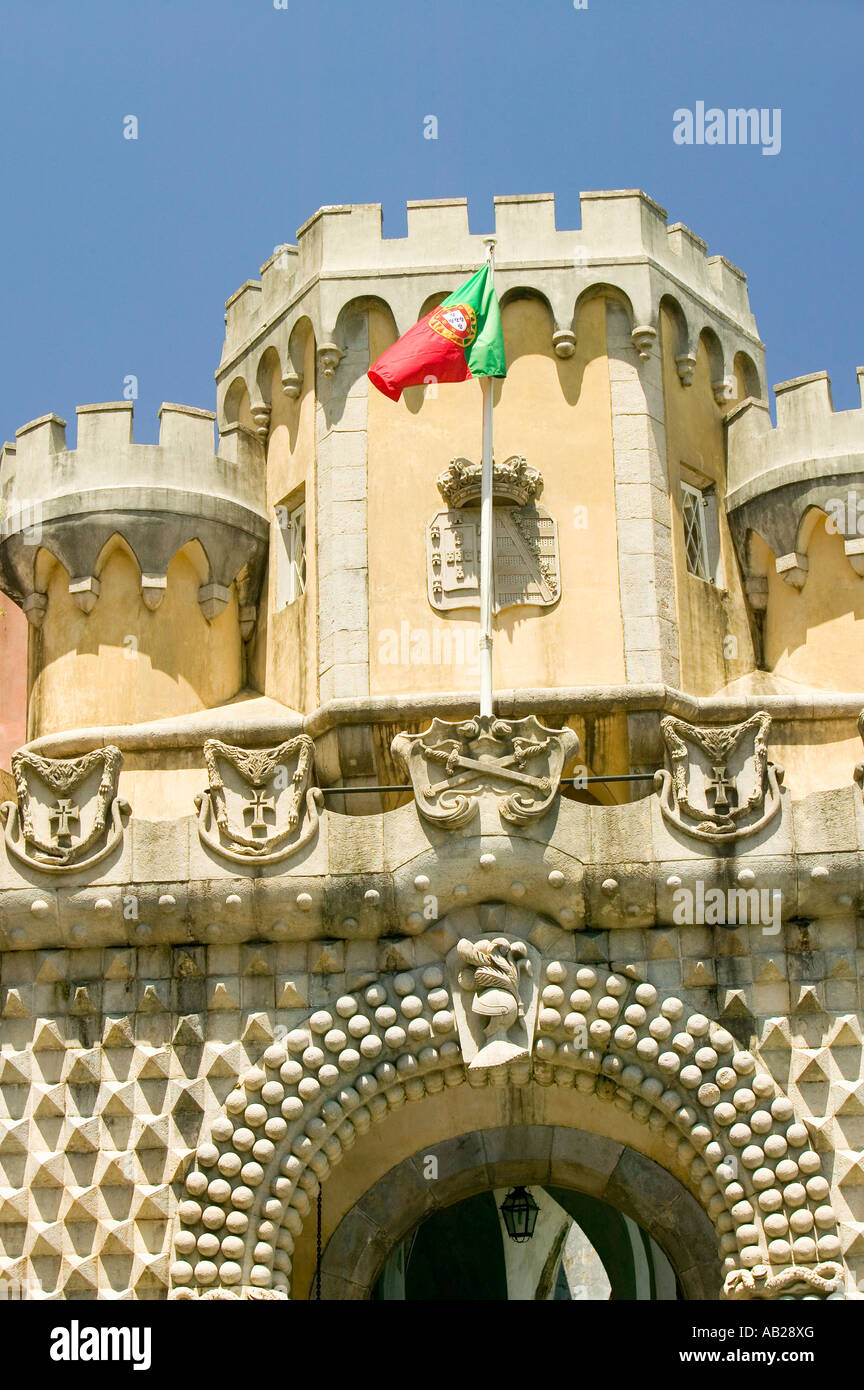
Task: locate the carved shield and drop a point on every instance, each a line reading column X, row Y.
column 68, row 814
column 722, row 785
column 520, row 762
column 260, row 799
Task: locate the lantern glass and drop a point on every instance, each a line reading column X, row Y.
column 520, row 1213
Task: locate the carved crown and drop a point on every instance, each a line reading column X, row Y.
column 514, row 480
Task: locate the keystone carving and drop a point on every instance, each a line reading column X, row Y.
column 722, row 785
column 260, row 806
column 495, row 996
column 452, row 766
column 68, row 815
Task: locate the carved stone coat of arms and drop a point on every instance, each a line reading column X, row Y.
column 451, row 766
column 722, row 785
column 68, row 815
column 496, row 996
column 260, row 805
column 525, row 542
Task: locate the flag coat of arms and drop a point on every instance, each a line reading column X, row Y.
column 458, row 340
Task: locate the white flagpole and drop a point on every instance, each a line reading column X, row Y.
column 487, row 524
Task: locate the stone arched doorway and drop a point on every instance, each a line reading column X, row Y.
column 603, row 1051
column 542, row 1155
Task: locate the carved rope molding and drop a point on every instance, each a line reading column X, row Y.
column 730, row 1131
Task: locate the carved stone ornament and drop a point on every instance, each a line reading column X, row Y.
column 260, row 806
column 451, row 766
column 526, row 568
column 722, row 785
column 495, row 996
column 794, row 1281
column 68, row 815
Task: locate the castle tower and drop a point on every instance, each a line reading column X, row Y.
column 265, row 878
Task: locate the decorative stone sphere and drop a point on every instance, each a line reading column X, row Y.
column 787, row 1170
column 236, row 1101
column 770, row 1200
column 782, row 1108
column 760, row 1121
column 804, row 1247
column 395, row 1036
column 411, row 1006
column 763, row 1085
column 797, row 1136
column 801, row 1221
column 740, row 1135
column 385, row 1016
column 313, row 1058
column 181, row 1272
column 635, row 1015
column 553, row 996
column 753, row 1157
column 252, row 1174
column 625, row 1036
column 404, row 984
column 348, row 1059
column 259, row 1275
column 221, row 1129
column 828, row 1247
column 272, row 1092
column 208, row 1244
column 321, row 1021
column 776, row 1224
column 645, row 994
column 230, row 1272
column 600, row 1031
column 442, row 1021
column 698, row 1025
column 817, row 1189
column 418, row 1029
column 724, row 1113
column 581, row 1000
column 742, row 1210
column 726, row 1077
column 346, row 1005
column 243, row 1138
column 375, row 995
column 775, row 1146
column 438, row 999
column 660, row 1028
column 545, row 1047
column 746, row 1234
column 780, row 1251
column 308, row 1088
column 213, row 1218
column 370, row 1045
column 242, row 1198
column 744, row 1063
column 647, row 1049
column 196, row 1183
column 586, row 978
column 292, row 1108
column 669, row 1063
column 795, row 1194
column 762, row 1178
column 709, row 1094
column 672, row 1008
column 607, row 1007
column 184, row 1242
column 334, row 1040
column 219, row 1190
column 432, row 977
column 229, row 1164
column 255, row 1116
column 691, row 1077
column 205, row 1271
column 809, row 1162
column 616, row 985
column 548, row 1020
column 237, row 1222
column 291, row 1072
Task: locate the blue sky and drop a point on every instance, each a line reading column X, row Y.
column 118, row 255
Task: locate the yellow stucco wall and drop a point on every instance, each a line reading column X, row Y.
column 812, row 635
column 557, row 413
column 283, row 655
column 715, row 640
column 123, row 663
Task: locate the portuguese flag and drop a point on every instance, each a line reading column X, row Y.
column 460, row 339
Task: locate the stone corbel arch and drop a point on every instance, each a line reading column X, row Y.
column 727, row 1132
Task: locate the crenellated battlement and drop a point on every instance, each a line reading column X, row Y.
column 624, row 243
column 781, row 476
column 156, row 497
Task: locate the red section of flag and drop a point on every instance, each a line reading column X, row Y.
column 420, row 354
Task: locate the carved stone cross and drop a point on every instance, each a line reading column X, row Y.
column 720, row 784
column 260, row 803
column 63, row 813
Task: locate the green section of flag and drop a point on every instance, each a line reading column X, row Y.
column 485, row 355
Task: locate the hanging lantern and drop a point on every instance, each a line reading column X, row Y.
column 520, row 1213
